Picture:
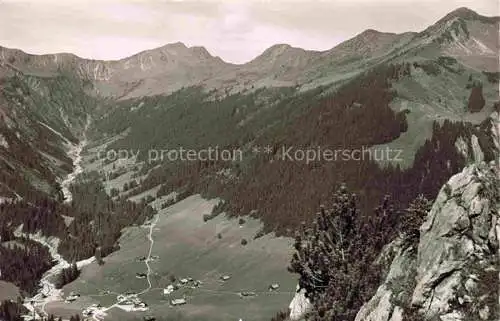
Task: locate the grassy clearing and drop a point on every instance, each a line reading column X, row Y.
column 8, row 291
column 189, row 247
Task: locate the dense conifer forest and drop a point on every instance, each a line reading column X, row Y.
column 96, row 222
column 23, row 262
column 355, row 116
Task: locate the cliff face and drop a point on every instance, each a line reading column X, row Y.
column 453, row 272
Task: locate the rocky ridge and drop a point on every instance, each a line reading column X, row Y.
column 453, row 272
column 463, row 34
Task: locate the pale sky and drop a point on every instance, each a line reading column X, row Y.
column 235, row 30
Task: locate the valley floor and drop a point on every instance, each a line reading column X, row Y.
column 187, row 247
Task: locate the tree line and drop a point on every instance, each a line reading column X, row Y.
column 23, row 262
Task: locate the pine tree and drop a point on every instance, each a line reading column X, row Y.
column 68, row 275
column 476, row 99
column 414, row 218
column 98, row 256
column 322, row 251
column 336, row 257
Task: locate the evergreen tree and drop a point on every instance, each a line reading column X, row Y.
column 414, row 218
column 476, row 99
column 336, row 257
column 323, row 250
column 98, row 256
column 67, row 275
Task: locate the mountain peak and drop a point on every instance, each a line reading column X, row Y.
column 180, row 47
column 177, row 45
column 201, row 52
column 463, row 13
column 367, row 41
column 371, row 32
column 373, row 35
column 273, row 52
column 278, row 48
column 467, row 14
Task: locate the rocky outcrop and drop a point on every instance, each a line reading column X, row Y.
column 299, row 306
column 457, row 248
column 453, row 272
column 476, row 148
column 387, row 303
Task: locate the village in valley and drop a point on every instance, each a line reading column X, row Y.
column 131, row 302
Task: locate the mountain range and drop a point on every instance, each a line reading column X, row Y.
column 429, row 97
column 464, row 34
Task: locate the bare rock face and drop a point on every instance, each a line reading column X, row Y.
column 386, row 304
column 454, row 273
column 458, row 247
column 299, row 306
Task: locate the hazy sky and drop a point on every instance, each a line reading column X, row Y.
column 235, row 30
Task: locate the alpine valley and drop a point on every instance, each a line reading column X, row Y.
column 99, row 220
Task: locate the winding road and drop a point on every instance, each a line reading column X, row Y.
column 101, row 313
column 148, row 258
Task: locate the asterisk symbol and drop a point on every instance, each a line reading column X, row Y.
column 256, row 149
column 268, row 149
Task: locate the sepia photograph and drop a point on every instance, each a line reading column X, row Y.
column 249, row 160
